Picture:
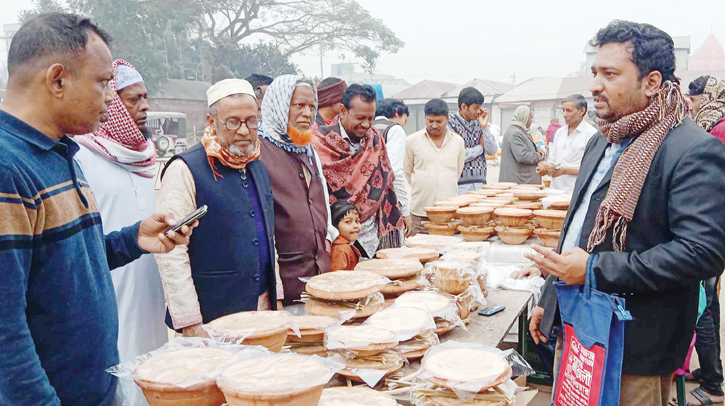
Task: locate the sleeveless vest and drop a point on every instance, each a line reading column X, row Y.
column 382, row 126
column 300, row 218
column 223, row 250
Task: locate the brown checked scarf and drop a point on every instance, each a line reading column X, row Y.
column 649, row 127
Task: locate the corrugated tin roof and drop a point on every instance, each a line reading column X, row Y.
column 181, row 90
column 489, row 88
column 427, row 89
column 548, row 89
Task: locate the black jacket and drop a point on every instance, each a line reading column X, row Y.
column 676, row 238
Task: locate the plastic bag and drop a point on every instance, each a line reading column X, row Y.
column 403, row 321
column 355, row 337
column 127, row 369
column 236, row 335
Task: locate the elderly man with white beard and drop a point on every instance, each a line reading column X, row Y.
column 229, row 266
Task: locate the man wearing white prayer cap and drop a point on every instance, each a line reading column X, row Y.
column 119, row 162
column 229, row 265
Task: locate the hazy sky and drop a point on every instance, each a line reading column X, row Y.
column 458, row 40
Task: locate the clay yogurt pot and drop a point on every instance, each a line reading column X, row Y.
column 475, row 216
column 513, row 217
column 441, row 214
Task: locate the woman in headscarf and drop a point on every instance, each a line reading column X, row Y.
column 519, row 154
column 708, row 105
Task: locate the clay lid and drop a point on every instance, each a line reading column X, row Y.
column 355, row 396
column 276, row 372
column 465, row 364
column 434, row 302
column 560, row 205
column 441, row 209
column 180, row 365
column 503, row 185
column 357, row 336
column 315, row 322
column 259, row 323
column 434, row 242
column 547, row 233
column 514, row 230
column 452, row 265
column 392, row 268
column 499, row 198
column 407, row 322
column 513, row 212
column 476, row 229
column 553, row 214
column 474, row 210
column 345, row 285
column 423, row 254
column 492, row 204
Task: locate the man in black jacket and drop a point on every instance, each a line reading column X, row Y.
column 647, row 209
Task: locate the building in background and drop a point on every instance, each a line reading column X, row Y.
column 9, row 31
column 183, row 96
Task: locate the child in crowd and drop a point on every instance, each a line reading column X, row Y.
column 346, row 218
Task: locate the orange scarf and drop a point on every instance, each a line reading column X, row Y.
column 214, row 149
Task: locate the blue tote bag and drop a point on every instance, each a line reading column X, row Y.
column 590, row 372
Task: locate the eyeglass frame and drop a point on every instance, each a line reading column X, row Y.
column 240, row 123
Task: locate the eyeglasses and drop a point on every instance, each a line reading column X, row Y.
column 233, row 124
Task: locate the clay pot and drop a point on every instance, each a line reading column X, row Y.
column 513, row 217
column 491, row 204
column 560, row 205
column 332, row 309
column 400, row 286
column 500, row 199
column 484, row 192
column 522, row 204
column 344, row 285
column 549, row 238
column 476, row 233
column 202, row 394
column 475, row 216
column 269, row 329
column 443, row 326
column 424, row 255
column 447, row 203
column 312, row 329
column 298, row 397
column 392, row 362
column 441, row 214
column 503, row 185
column 391, row 268
column 550, row 219
column 447, row 229
column 513, row 235
column 530, row 195
column 547, row 182
column 464, row 301
column 449, row 277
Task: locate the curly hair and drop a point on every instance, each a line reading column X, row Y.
column 654, row 49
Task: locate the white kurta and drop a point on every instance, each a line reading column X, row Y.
column 124, row 199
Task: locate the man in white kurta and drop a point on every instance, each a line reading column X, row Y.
column 119, row 164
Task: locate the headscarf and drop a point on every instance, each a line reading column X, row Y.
column 364, row 179
column 712, row 108
column 275, row 113
column 212, row 145
column 521, row 117
column 332, row 94
column 648, row 127
column 119, row 139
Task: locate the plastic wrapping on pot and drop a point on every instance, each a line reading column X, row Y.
column 501, row 253
column 406, row 322
column 481, row 247
column 175, row 375
column 418, row 343
column 392, row 268
column 237, row 327
column 352, row 305
column 272, row 372
column 434, row 242
column 465, row 256
column 351, row 337
column 438, row 304
column 355, row 396
column 440, row 364
column 390, row 361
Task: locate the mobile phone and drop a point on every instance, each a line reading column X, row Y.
column 491, row 310
column 196, row 215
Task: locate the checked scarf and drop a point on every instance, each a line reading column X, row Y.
column 214, row 150
column 712, row 109
column 364, row 179
column 119, row 139
column 649, row 127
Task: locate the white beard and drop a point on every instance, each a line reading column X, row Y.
column 241, row 152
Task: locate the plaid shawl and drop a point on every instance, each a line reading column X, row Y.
column 119, row 139
column 364, row 179
column 712, row 109
column 649, row 127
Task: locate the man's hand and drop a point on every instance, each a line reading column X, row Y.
column 151, row 236
column 570, row 267
column 483, row 121
column 408, row 220
column 555, row 173
column 195, row 331
column 526, row 272
column 280, row 306
column 328, row 246
column 536, row 315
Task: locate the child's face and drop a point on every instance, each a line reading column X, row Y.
column 349, row 226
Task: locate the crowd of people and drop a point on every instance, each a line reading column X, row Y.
column 301, row 178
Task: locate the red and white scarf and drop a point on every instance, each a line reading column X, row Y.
column 649, row 127
column 119, row 139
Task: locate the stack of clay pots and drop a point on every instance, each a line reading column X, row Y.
column 336, row 294
column 475, row 225
column 515, row 228
column 266, row 328
column 414, row 327
column 441, row 219
column 550, row 223
column 404, row 274
column 364, row 347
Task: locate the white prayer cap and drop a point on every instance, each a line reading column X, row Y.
column 228, row 87
column 126, row 76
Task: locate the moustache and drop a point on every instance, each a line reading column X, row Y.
column 599, row 95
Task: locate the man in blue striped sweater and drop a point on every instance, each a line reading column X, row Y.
column 471, row 123
column 58, row 317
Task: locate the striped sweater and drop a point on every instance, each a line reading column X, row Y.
column 58, row 317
